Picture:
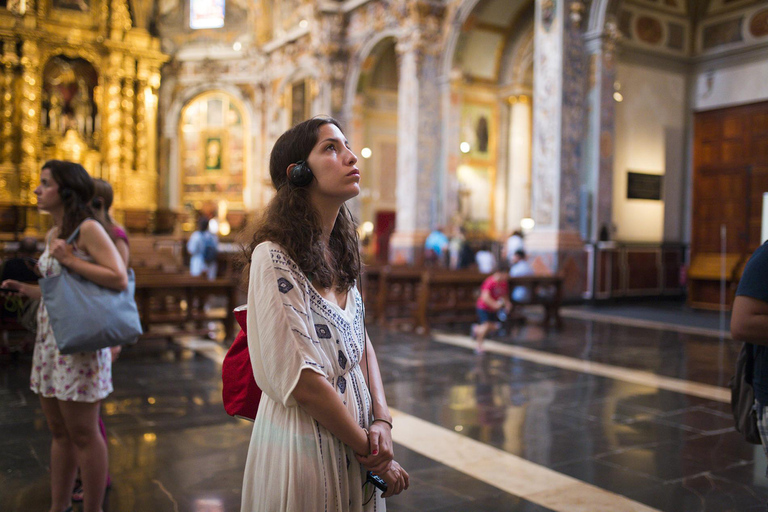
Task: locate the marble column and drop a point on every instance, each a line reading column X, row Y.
column 519, row 158
column 598, row 148
column 558, row 129
column 420, row 176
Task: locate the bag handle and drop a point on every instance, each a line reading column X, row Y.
column 76, row 232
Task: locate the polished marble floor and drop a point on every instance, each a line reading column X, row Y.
column 555, row 427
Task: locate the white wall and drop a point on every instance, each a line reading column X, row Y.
column 654, row 103
column 732, row 85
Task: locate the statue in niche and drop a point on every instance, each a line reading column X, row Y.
column 55, row 110
column 82, row 108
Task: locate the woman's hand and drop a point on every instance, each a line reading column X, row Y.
column 380, row 445
column 397, row 479
column 62, row 251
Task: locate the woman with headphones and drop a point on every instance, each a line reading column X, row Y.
column 71, row 387
column 323, row 423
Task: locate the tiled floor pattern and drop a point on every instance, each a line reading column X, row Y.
column 173, row 448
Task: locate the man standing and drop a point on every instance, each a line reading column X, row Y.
column 749, row 323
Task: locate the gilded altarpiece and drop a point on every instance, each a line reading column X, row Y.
column 78, row 81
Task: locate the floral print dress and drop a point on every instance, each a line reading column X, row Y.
column 82, row 377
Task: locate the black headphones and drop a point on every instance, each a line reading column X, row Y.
column 301, row 175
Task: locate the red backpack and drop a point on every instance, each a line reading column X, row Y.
column 239, row 393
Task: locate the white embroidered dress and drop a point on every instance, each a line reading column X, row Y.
column 294, row 464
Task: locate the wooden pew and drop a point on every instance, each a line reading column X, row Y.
column 546, row 291
column 448, row 297
column 159, row 299
column 397, row 294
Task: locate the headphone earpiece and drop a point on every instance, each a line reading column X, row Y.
column 301, row 175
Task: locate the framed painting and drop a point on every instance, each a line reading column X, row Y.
column 478, row 130
column 214, row 148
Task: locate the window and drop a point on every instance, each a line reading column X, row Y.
column 206, row 14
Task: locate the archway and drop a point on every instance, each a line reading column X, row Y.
column 213, row 158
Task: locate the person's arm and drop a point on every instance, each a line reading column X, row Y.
column 397, row 480
column 485, row 296
column 315, row 395
column 123, row 250
column 107, row 268
column 25, row 289
column 749, row 320
column 381, row 452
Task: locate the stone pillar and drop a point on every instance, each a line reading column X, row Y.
column 598, row 153
column 519, row 175
column 559, row 78
column 420, row 174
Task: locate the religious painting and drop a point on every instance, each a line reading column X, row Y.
column 213, row 151
column 299, row 110
column 477, row 130
column 69, row 98
column 206, row 14
column 213, row 148
column 72, row 5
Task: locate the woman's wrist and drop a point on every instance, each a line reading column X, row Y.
column 366, row 446
column 384, row 421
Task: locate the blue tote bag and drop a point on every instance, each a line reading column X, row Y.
column 85, row 316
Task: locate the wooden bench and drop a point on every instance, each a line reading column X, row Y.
column 396, row 291
column 546, row 291
column 448, row 297
column 179, row 299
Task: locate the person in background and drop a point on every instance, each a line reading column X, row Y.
column 485, row 259
column 749, row 324
column 513, row 244
column 202, row 247
column 436, row 246
column 22, row 267
column 72, row 386
column 520, row 268
column 492, row 304
column 101, row 204
column 459, row 250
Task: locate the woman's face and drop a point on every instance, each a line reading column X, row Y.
column 47, row 192
column 334, row 165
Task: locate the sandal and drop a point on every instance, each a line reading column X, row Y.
column 77, row 493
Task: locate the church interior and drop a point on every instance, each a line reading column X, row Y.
column 623, row 139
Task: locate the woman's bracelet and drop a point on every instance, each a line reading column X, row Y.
column 383, row 421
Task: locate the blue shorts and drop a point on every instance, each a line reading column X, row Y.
column 486, row 316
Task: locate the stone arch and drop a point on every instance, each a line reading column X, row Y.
column 357, row 60
column 170, row 131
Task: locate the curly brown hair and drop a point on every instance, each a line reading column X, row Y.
column 291, row 221
column 75, row 189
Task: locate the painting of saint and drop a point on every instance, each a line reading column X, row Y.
column 213, row 149
column 477, row 129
